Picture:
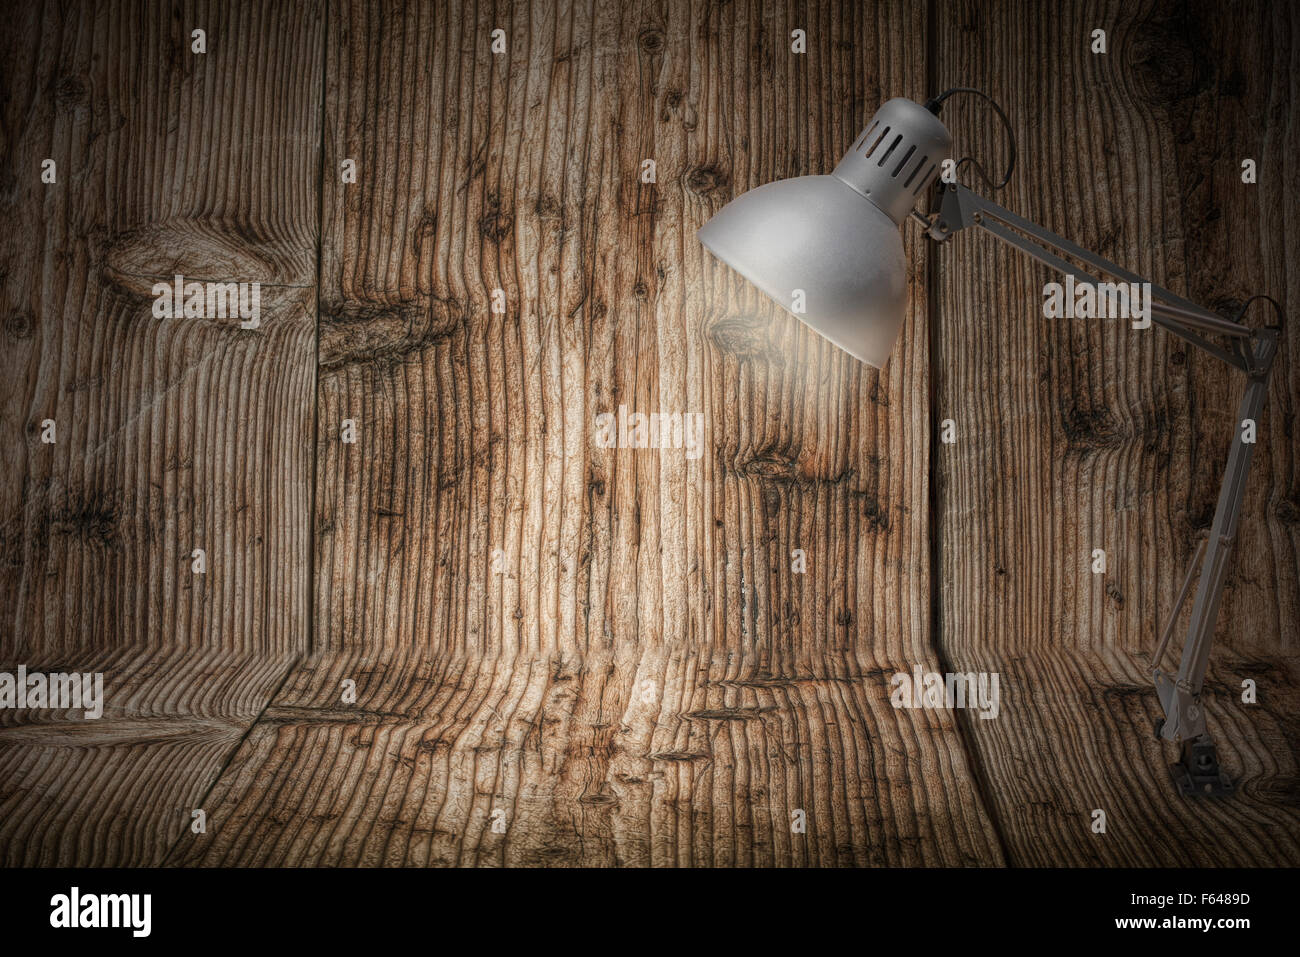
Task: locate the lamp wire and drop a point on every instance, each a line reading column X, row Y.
column 935, row 103
column 1281, row 314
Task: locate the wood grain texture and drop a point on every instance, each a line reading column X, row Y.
column 571, row 655
column 171, row 434
column 644, row 681
column 1075, row 435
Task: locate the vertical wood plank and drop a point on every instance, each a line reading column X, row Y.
column 172, row 434
column 1075, row 435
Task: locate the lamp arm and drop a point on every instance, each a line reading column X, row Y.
column 1249, row 350
column 959, row 208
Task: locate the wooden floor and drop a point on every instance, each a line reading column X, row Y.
column 571, row 655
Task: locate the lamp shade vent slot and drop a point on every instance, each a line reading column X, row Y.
column 919, row 166
column 865, row 133
column 890, row 152
column 925, row 179
column 903, row 162
column 872, row 148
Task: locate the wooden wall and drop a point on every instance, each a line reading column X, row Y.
column 605, row 649
column 1077, row 435
column 171, row 435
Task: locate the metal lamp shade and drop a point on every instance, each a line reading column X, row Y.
column 819, row 235
column 834, row 240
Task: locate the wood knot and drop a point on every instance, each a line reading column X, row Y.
column 745, row 338
column 426, row 229
column 495, row 225
column 496, row 222
column 90, row 519
column 1288, row 512
column 703, row 180
column 1172, row 60
column 354, row 332
column 652, row 41
column 70, row 91
column 19, row 326
column 873, row 514
column 548, row 208
column 1089, row 429
column 771, row 465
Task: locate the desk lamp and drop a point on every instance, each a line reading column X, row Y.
column 829, row 250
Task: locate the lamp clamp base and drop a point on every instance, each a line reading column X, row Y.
column 1198, row 774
